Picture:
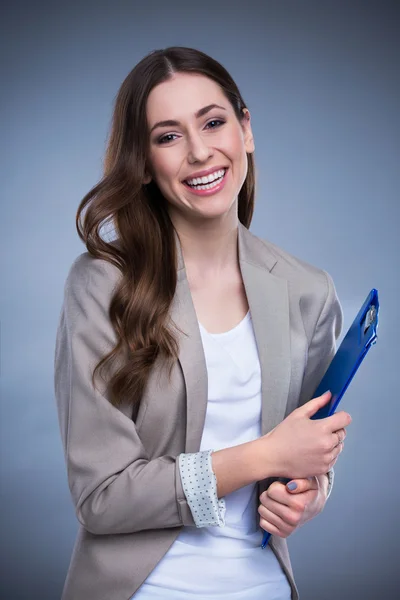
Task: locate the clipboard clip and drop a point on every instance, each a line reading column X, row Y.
column 370, row 317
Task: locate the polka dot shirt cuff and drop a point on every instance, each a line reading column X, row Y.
column 200, row 487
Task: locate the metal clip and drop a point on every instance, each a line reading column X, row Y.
column 370, row 317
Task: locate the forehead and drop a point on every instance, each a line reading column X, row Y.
column 181, row 96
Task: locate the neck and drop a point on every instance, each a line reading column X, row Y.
column 209, row 247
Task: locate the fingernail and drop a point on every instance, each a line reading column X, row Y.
column 292, row 486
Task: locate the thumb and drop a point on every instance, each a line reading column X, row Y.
column 298, row 486
column 313, row 406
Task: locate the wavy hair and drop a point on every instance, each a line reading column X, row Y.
column 144, row 250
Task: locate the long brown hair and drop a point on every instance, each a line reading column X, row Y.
column 145, row 250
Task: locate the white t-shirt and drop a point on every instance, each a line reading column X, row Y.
column 226, row 562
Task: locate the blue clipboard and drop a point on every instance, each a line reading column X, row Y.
column 361, row 336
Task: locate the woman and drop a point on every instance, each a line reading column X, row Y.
column 186, row 353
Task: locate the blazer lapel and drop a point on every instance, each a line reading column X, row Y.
column 191, row 356
column 268, row 300
column 267, row 296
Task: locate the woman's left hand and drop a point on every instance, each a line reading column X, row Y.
column 282, row 510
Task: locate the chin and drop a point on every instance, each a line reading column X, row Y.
column 214, row 211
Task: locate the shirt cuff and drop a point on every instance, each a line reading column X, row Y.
column 200, row 488
column 331, row 476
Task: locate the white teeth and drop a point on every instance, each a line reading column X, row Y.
column 201, row 181
column 208, row 186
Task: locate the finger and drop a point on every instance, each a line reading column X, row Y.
column 297, row 486
column 274, row 524
column 338, row 421
column 290, row 515
column 312, row 406
column 340, row 435
column 277, row 491
column 336, row 451
column 280, row 496
column 338, row 438
column 283, row 517
column 272, row 529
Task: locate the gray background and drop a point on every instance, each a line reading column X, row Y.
column 321, row 81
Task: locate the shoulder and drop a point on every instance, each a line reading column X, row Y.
column 90, row 275
column 299, row 273
column 311, row 290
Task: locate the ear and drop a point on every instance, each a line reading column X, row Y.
column 248, row 134
column 147, row 178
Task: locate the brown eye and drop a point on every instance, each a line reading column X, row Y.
column 218, row 122
column 169, row 137
column 164, row 139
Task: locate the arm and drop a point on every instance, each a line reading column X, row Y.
column 322, row 346
column 283, row 509
column 321, row 351
column 115, row 486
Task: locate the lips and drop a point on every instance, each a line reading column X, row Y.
column 210, row 180
column 204, row 173
column 214, row 189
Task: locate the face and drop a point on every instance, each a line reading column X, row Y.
column 194, row 133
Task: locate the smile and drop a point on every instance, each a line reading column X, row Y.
column 208, row 184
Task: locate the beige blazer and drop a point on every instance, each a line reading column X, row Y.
column 123, row 475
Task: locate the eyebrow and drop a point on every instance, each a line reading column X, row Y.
column 198, row 114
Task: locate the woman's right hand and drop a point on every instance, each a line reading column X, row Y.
column 300, row 447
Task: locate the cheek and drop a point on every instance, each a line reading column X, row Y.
column 237, row 142
column 234, row 146
column 164, row 170
column 160, row 167
column 239, row 155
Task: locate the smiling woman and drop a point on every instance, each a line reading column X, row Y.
column 182, row 345
column 211, row 135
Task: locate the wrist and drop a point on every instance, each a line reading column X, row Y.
column 262, row 457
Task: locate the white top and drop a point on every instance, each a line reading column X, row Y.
column 226, row 561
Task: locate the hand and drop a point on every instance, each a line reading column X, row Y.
column 300, row 447
column 282, row 510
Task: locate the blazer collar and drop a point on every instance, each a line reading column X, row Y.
column 267, row 296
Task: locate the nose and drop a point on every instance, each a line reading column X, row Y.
column 198, row 150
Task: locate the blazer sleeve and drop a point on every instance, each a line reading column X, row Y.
column 322, row 346
column 114, row 485
column 322, row 349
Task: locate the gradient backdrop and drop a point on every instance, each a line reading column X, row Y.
column 321, row 80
